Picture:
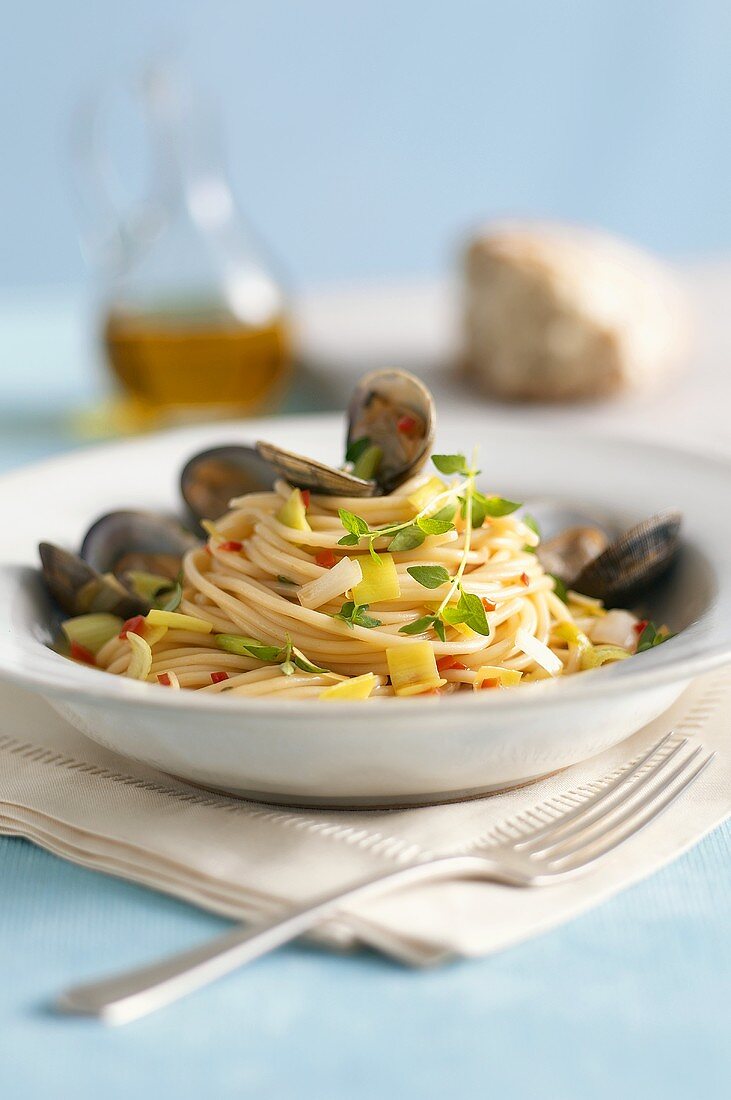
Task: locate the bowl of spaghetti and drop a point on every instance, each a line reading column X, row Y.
column 400, row 648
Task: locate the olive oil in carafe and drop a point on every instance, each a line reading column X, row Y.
column 177, row 361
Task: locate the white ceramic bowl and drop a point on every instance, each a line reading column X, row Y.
column 392, row 751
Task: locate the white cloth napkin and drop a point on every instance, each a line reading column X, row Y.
column 247, row 861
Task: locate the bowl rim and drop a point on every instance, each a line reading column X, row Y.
column 69, row 680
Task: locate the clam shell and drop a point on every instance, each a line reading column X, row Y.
column 633, row 561
column 308, row 473
column 567, row 554
column 214, row 477
column 379, row 401
column 78, row 588
column 126, row 540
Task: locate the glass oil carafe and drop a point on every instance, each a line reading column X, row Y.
column 193, row 321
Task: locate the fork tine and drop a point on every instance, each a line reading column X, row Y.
column 605, row 807
column 589, row 803
column 635, row 821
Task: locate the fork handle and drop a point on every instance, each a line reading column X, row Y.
column 124, row 997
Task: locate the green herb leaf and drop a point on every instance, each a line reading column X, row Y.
column 448, row 512
column 432, row 525
column 651, row 637
column 249, row 647
column 531, row 524
column 349, row 540
column 439, row 630
column 354, row 614
column 420, row 626
column 451, row 464
column 352, row 523
column 356, row 449
column 469, row 610
column 559, row 588
column 429, row 576
column 498, row 506
column 407, row 538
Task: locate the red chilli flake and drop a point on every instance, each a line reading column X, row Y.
column 233, row 545
column 326, row 559
column 488, row 604
column 81, row 653
column 406, row 425
column 305, row 494
column 218, row 677
column 164, row 679
column 524, row 579
column 135, row 625
column 444, row 664
column 640, row 626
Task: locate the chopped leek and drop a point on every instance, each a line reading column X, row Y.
column 92, row 631
column 334, row 582
column 293, row 512
column 380, row 580
column 357, row 687
column 148, row 585
column 569, row 632
column 602, row 654
column 426, row 492
column 367, row 463
column 176, row 621
column 140, row 661
column 413, row 668
column 506, row 677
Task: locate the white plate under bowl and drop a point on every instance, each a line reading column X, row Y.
column 391, row 751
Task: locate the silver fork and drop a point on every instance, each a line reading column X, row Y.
column 550, row 853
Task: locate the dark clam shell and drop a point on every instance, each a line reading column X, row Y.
column 79, row 589
column 214, row 477
column 308, row 473
column 633, row 561
column 129, row 540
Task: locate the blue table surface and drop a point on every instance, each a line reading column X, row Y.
column 629, row 1000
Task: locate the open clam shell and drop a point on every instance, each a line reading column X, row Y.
column 633, row 561
column 395, row 412
column 214, row 477
column 79, row 589
column 308, row 473
column 123, row 541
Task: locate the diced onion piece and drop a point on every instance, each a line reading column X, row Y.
column 617, row 627
column 602, row 654
column 357, row 687
column 570, row 633
column 92, row 631
column 293, row 512
column 413, row 668
column 176, row 621
column 380, row 580
column 426, row 492
column 538, row 652
column 507, row 677
column 141, row 658
column 168, row 679
column 335, row 582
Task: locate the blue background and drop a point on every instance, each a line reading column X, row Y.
column 365, row 138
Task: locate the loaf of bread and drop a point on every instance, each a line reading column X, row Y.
column 558, row 312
